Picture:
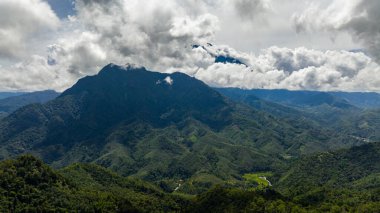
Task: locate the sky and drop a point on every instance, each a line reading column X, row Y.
column 323, row 45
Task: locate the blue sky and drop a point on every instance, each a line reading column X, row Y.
column 62, row 8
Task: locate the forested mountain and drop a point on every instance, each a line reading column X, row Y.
column 341, row 178
column 160, row 127
column 28, row 185
column 328, row 110
column 175, row 144
column 310, row 98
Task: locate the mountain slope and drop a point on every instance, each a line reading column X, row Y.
column 345, row 120
column 366, row 100
column 10, row 94
column 28, row 185
column 10, row 104
column 343, row 177
column 161, row 127
column 292, row 98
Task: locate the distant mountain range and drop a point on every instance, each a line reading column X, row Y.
column 10, row 94
column 310, row 98
column 347, row 113
column 10, row 104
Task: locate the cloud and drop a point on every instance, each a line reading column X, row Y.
column 105, row 31
column 169, row 80
column 360, row 18
column 117, row 31
column 251, row 9
column 20, row 21
column 32, row 75
column 158, row 41
column 297, row 69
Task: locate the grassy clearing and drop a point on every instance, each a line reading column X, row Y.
column 258, row 178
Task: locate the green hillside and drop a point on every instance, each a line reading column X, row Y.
column 28, row 185
column 348, row 178
column 318, row 110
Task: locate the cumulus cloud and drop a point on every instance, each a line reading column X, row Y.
column 20, row 20
column 123, row 33
column 297, row 69
column 32, row 75
column 360, row 18
column 117, row 31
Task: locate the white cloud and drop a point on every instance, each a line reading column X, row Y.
column 169, row 80
column 360, row 18
column 251, row 9
column 21, row 20
column 297, row 69
column 120, row 31
column 158, row 41
column 32, row 75
column 105, row 31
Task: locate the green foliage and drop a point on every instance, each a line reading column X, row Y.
column 224, row 199
column 28, row 185
column 349, row 179
column 259, row 178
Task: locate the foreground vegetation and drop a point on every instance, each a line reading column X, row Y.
column 28, row 185
column 343, row 181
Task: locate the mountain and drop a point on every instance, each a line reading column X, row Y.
column 133, row 140
column 159, row 127
column 314, row 109
column 10, row 104
column 366, row 100
column 220, row 57
column 343, row 100
column 10, row 94
column 346, row 178
column 292, row 98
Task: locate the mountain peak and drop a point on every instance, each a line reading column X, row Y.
column 126, row 67
column 131, row 92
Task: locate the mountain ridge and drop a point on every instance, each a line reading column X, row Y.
column 10, row 104
column 135, row 122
